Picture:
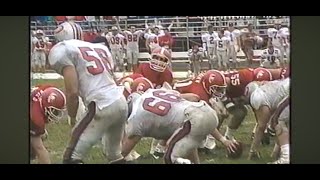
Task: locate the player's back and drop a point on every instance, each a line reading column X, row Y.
column 158, row 113
column 94, row 64
column 275, row 91
column 238, row 81
column 193, row 86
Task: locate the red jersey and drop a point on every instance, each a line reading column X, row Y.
column 37, row 114
column 193, row 86
column 238, row 82
column 281, row 73
column 157, row 78
column 166, row 41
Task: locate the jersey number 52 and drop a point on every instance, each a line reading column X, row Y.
column 95, row 65
column 160, row 105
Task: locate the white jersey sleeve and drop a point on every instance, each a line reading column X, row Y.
column 270, row 32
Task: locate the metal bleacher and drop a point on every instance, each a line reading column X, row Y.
column 185, row 30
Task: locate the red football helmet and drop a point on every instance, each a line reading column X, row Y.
column 214, row 82
column 141, row 84
column 53, row 101
column 160, row 58
column 262, row 74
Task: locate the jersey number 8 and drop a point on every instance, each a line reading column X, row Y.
column 160, row 106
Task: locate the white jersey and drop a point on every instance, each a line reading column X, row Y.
column 70, row 30
column 157, row 113
column 233, row 36
column 94, row 64
column 276, row 36
column 152, row 38
column 285, row 34
column 270, row 56
column 222, row 43
column 116, row 42
column 133, row 39
column 209, row 39
column 40, row 42
column 270, row 94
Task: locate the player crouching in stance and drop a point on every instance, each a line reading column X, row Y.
column 47, row 104
column 165, row 114
column 265, row 101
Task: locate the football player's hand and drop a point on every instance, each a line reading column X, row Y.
column 230, row 145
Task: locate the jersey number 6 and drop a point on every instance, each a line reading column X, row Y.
column 95, row 65
column 160, row 106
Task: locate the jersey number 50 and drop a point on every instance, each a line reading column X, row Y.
column 98, row 65
column 160, row 106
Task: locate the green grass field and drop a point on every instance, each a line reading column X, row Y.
column 59, row 136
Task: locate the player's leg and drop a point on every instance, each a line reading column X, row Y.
column 238, row 112
column 116, row 116
column 225, row 60
column 37, row 61
column 129, row 59
column 219, row 58
column 43, row 62
column 211, row 58
column 249, row 54
column 114, row 57
column 200, row 121
column 135, row 60
column 197, row 67
column 283, row 135
column 121, row 61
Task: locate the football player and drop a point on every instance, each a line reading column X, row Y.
column 156, row 70
column 270, row 57
column 209, row 46
column 236, row 85
column 47, row 105
column 116, row 42
column 69, row 30
column 265, row 100
column 39, row 51
column 164, row 114
column 222, row 47
column 87, row 70
column 235, row 44
column 206, row 85
column 276, row 36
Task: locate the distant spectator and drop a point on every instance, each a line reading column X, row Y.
column 107, row 17
column 60, row 18
column 90, row 18
column 80, row 18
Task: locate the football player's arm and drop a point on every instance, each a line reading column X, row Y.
column 227, row 143
column 72, row 91
column 238, row 43
column 147, row 44
column 262, row 115
column 170, row 26
column 40, row 150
